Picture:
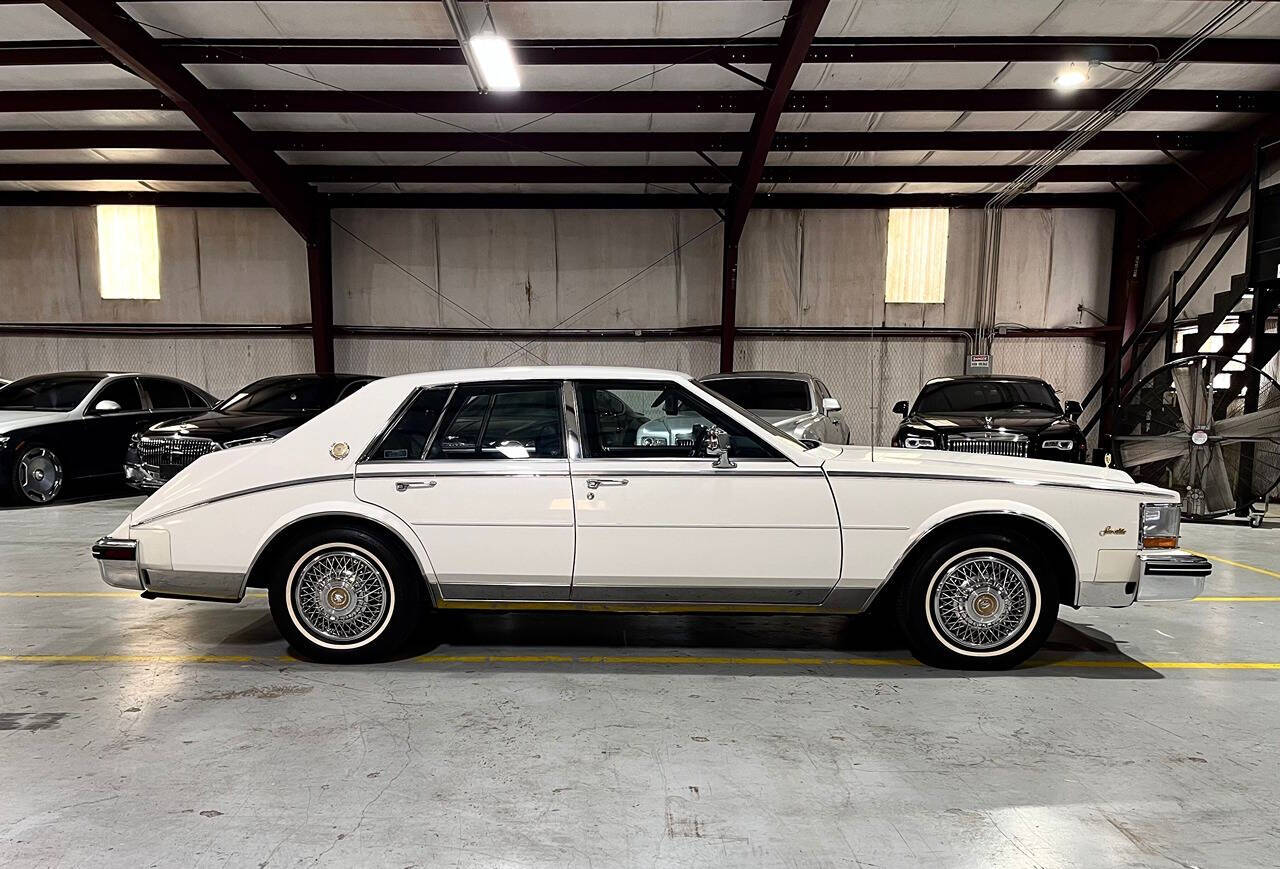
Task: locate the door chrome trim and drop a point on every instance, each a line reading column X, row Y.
column 450, row 472
column 480, row 591
column 812, row 595
column 708, row 471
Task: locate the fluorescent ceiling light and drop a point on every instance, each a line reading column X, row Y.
column 496, row 61
column 1071, row 78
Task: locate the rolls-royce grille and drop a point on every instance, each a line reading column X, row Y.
column 170, row 455
column 992, row 445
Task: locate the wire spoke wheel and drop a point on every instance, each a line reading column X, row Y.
column 341, row 596
column 39, row 475
column 982, row 602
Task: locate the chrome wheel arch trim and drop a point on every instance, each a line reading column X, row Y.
column 377, row 516
column 938, row 523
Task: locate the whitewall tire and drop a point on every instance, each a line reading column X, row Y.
column 984, row 602
column 343, row 595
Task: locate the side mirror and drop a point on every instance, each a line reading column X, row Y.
column 901, row 408
column 107, row 406
column 830, row 405
column 1074, row 410
column 718, row 448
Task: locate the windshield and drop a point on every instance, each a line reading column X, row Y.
column 63, row 392
column 764, row 423
column 764, row 393
column 287, row 395
column 979, row 395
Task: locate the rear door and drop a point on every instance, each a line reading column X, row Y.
column 480, row 473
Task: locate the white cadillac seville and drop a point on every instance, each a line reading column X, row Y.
column 520, row 488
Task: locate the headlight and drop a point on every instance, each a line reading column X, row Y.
column 649, row 441
column 1159, row 524
column 915, row 442
column 4, row 441
column 1065, row 444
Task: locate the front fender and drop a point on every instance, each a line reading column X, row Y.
column 989, row 507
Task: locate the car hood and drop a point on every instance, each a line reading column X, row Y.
column 1023, row 421
column 223, row 427
column 892, row 461
column 783, row 418
column 16, row 419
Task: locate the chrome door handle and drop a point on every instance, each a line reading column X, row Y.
column 597, row 483
column 404, row 487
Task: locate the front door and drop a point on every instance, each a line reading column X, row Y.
column 479, row 471
column 656, row 522
column 108, row 428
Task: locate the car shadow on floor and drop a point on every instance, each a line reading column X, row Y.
column 725, row 644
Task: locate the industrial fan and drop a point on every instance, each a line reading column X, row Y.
column 1185, row 428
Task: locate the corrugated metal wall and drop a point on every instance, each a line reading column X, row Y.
column 556, row 269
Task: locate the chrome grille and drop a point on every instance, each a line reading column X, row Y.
column 994, row 444
column 169, row 455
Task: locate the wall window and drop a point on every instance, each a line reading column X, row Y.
column 128, row 252
column 916, row 263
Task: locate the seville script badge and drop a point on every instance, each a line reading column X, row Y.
column 339, row 451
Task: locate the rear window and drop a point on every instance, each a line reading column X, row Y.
column 763, row 393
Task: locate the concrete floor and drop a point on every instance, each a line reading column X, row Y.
column 175, row 733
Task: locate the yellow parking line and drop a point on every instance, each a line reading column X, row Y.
column 1252, row 598
column 663, row 660
column 1271, row 573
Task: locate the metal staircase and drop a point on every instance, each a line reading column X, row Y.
column 1243, row 317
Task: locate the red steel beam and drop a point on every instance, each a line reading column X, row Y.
column 803, row 18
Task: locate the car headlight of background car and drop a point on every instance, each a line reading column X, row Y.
column 1058, row 444
column 4, row 441
column 1160, row 525
column 919, row 442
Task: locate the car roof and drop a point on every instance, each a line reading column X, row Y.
column 969, row 378
column 780, row 375
column 537, row 372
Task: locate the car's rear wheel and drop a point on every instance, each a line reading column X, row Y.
column 37, row 476
column 344, row 596
column 982, row 602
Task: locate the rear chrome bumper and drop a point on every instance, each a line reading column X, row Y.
column 118, row 561
column 1172, row 575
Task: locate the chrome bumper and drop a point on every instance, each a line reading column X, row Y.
column 118, row 561
column 1172, row 575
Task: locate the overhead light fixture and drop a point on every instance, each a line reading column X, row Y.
column 489, row 57
column 1072, row 77
column 497, row 62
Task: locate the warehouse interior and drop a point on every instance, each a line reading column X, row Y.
column 876, row 193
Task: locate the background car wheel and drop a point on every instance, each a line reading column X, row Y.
column 344, row 596
column 982, row 602
column 37, row 475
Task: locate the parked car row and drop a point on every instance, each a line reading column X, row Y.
column 101, row 427
column 96, row 426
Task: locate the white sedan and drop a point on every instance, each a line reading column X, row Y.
column 526, row 488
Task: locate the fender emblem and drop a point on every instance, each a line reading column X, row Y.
column 1109, row 530
column 339, row 451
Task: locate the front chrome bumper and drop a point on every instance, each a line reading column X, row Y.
column 118, row 561
column 139, row 476
column 1172, row 575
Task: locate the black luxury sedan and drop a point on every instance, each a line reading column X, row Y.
column 1003, row 416
column 262, row 411
column 59, row 428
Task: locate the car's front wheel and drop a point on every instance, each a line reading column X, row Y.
column 344, row 596
column 982, row 602
column 37, row 476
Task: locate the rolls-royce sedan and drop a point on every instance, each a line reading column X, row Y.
column 1000, row 415
column 60, row 428
column 799, row 404
column 262, row 411
column 496, row 488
